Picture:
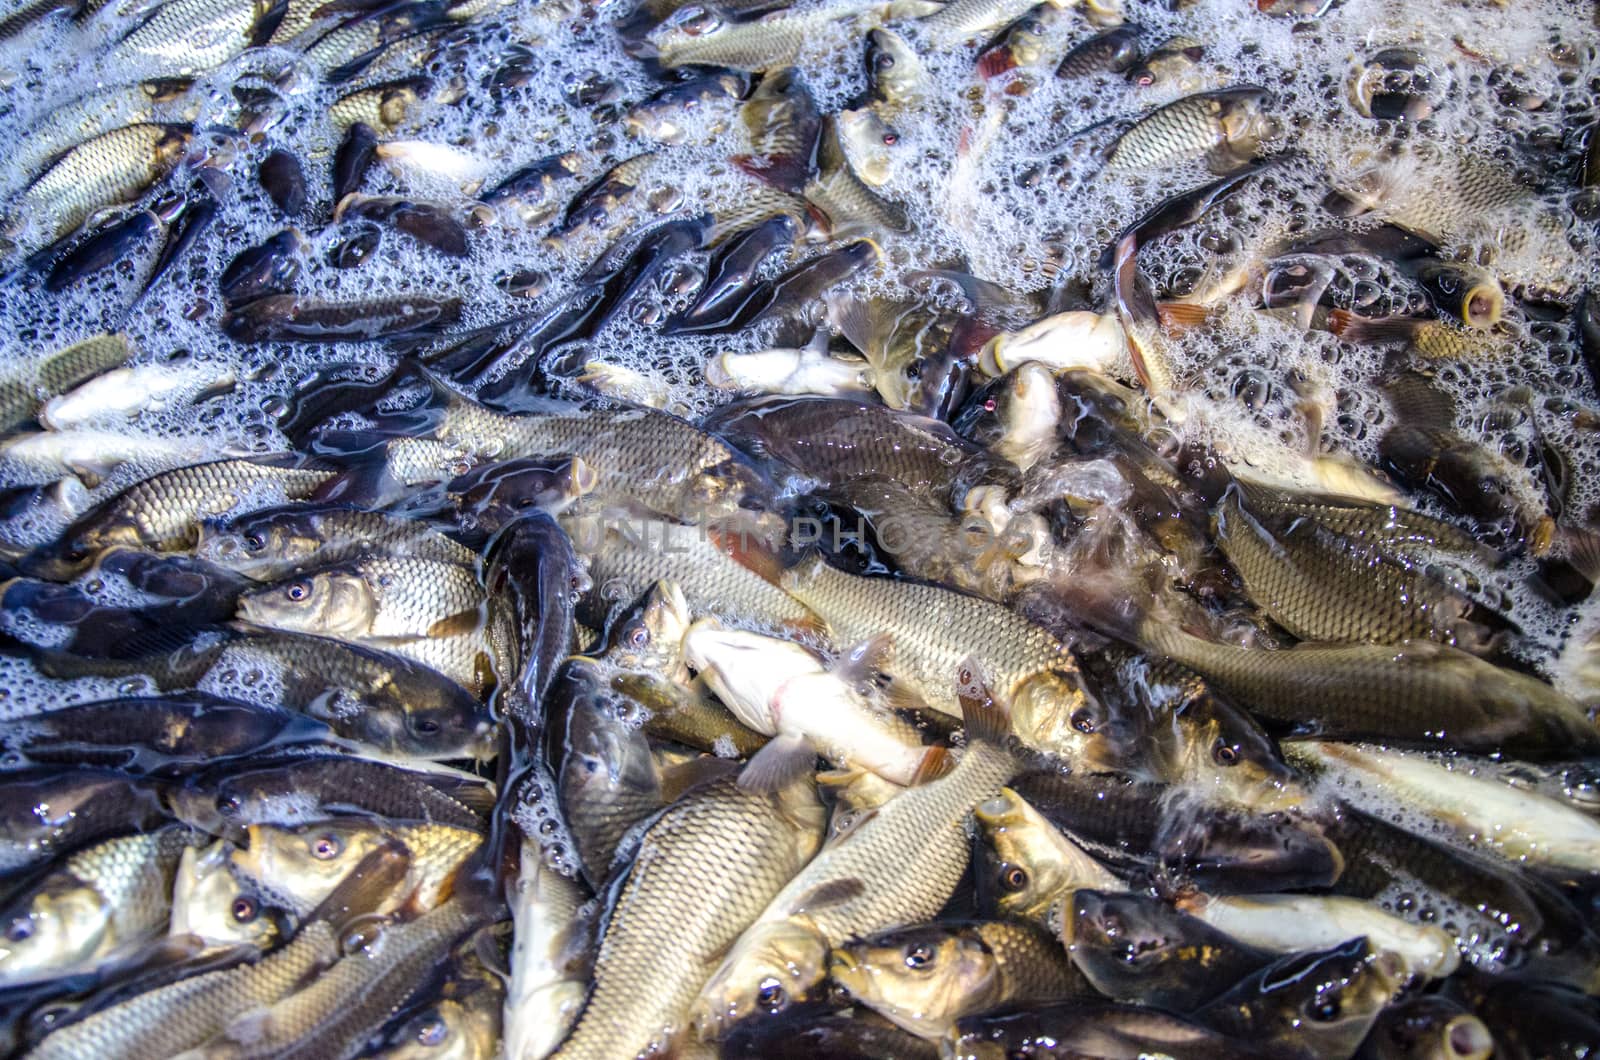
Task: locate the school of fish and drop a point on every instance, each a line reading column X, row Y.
column 841, row 529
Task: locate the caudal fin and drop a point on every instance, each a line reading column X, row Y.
column 985, row 717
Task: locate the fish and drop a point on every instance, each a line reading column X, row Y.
column 108, row 170
column 849, row 889
column 696, row 35
column 671, row 115
column 299, row 867
column 546, row 992
column 129, row 392
column 1075, row 339
column 295, row 318
column 50, row 813
column 208, row 901
column 1048, row 702
column 24, row 390
column 965, row 19
column 1264, row 921
column 1322, row 1002
column 780, row 690
column 284, row 180
column 1136, row 948
column 278, row 543
column 195, row 35
column 896, row 75
column 1427, row 1027
column 1225, row 128
column 793, row 371
column 733, row 850
column 1021, row 44
column 384, row 106
column 1113, row 50
column 102, row 901
column 924, row 978
column 1528, row 829
column 1172, row 61
column 1079, row 1028
column 427, row 223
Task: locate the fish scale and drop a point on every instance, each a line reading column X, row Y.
column 706, row 867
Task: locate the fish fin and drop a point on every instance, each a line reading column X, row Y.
column 839, row 778
column 685, row 776
column 851, row 316
column 861, row 665
column 985, row 717
column 365, row 888
column 456, row 625
column 787, row 173
column 831, row 893
column 897, row 695
column 1178, row 317
column 1583, row 547
column 749, row 553
column 1372, row 330
column 936, row 762
column 784, row 760
column 995, row 62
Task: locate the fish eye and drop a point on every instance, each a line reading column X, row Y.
column 1326, row 1010
column 638, row 637
column 990, row 404
column 245, row 910
column 254, row 542
column 298, row 591
column 19, row 930
column 426, row 727
column 919, row 956
column 1084, row 721
column 883, row 61
column 228, row 805
column 432, row 1031
column 1013, row 877
column 771, row 995
column 890, row 139
column 325, row 847
column 1224, row 754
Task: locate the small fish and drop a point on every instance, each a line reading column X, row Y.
column 1113, row 51
column 208, row 901
column 896, row 75
column 806, row 370
column 545, row 994
column 1226, row 128
column 1021, row 44
column 279, row 543
column 1086, row 1028
column 297, row 318
column 701, row 106
column 925, row 978
column 1172, row 62
column 384, row 106
column 270, row 267
column 124, row 393
column 1427, row 1028
column 284, row 180
column 429, row 224
column 22, row 389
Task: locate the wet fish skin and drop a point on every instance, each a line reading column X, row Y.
column 925, row 978
column 268, row 268
column 706, row 866
column 1075, row 1029
column 1137, row 948
column 279, row 543
column 284, row 180
column 1430, row 694
column 545, row 993
column 47, row 813
column 1427, row 1028
column 102, row 250
column 296, row 318
column 430, row 224
column 210, row 902
column 896, row 75
column 1037, row 865
column 21, row 388
column 1114, row 51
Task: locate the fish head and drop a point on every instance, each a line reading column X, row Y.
column 1104, row 12
column 60, row 924
column 1232, row 850
column 331, row 603
column 774, row 965
column 209, row 901
column 466, row 1029
column 1245, row 123
column 1032, row 863
column 745, row 670
column 1324, row 1000
column 895, row 72
column 606, row 753
column 258, row 544
column 1223, row 748
column 299, row 867
column 1430, row 1028
column 920, row 978
column 651, row 639
column 872, row 145
column 1052, row 711
column 1131, row 939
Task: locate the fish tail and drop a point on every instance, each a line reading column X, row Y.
column 985, row 717
column 1372, row 330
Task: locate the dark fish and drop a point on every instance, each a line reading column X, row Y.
column 1310, row 1004
column 305, row 788
column 1427, row 1027
column 196, row 213
column 783, row 123
column 49, row 812
column 1112, row 51
column 105, row 248
column 427, row 223
column 733, row 269
column 490, row 497
column 530, row 191
column 356, row 154
column 279, row 543
column 284, row 180
column 166, row 735
column 806, row 1032
column 297, row 318
column 269, row 267
column 353, row 251
column 1136, row 948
